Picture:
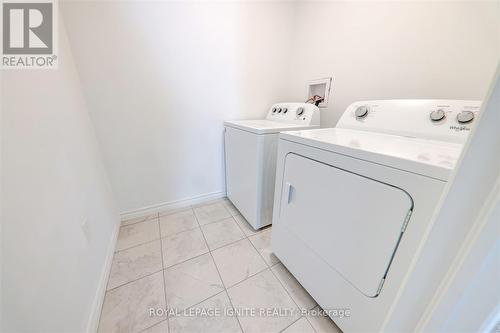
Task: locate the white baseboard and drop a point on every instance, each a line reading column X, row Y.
column 172, row 205
column 95, row 313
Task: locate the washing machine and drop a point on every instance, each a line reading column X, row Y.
column 354, row 203
column 250, row 156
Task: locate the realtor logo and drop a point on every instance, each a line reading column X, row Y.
column 28, row 35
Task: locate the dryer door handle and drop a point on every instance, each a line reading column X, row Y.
column 289, row 192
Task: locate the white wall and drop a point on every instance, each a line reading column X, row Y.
column 394, row 49
column 52, row 180
column 161, row 77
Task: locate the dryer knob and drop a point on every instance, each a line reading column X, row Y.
column 274, row 110
column 279, row 110
column 465, row 117
column 300, row 111
column 437, row 115
column 285, row 110
column 361, row 111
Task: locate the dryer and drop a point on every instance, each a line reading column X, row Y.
column 354, row 202
column 250, row 156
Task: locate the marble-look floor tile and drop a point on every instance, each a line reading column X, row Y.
column 126, row 308
column 231, row 208
column 134, row 263
column 214, row 315
column 183, row 246
column 222, row 233
column 294, row 288
column 237, row 262
column 321, row 322
column 211, row 213
column 191, row 282
column 262, row 243
column 264, row 293
column 300, row 326
column 139, row 219
column 170, row 211
column 177, row 222
column 161, row 327
column 138, row 233
column 209, row 202
column 245, row 226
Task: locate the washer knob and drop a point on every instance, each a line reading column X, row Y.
column 279, row 110
column 361, row 111
column 285, row 110
column 437, row 115
column 465, row 117
column 300, row 111
column 274, row 110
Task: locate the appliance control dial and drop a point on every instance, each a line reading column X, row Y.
column 465, row 117
column 361, row 111
column 279, row 110
column 274, row 110
column 285, row 110
column 437, row 115
column 300, row 111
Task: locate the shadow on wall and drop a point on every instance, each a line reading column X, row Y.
column 58, row 213
column 160, row 88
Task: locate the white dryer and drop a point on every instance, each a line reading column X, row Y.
column 250, row 149
column 354, row 202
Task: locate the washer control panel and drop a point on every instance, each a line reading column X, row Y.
column 448, row 120
column 298, row 113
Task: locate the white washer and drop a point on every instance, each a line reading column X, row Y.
column 353, row 202
column 250, row 148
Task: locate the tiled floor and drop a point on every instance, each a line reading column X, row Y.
column 202, row 269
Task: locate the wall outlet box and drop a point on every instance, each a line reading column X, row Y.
column 320, row 87
column 86, row 229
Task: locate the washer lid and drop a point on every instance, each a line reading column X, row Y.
column 263, row 126
column 430, row 158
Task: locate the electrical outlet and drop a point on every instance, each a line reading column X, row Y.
column 86, row 229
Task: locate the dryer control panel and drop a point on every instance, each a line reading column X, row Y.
column 444, row 120
column 296, row 113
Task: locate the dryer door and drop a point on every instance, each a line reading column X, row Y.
column 352, row 222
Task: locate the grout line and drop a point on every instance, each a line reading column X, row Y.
column 134, row 246
column 291, row 324
column 180, row 232
column 134, row 280
column 220, row 276
column 161, row 321
column 319, row 308
column 212, row 222
column 223, row 206
column 182, row 262
column 314, row 329
column 174, row 211
column 149, row 241
column 209, row 202
column 204, row 300
column 163, row 274
column 283, row 286
column 217, row 221
column 146, row 219
column 235, row 312
column 231, row 243
column 248, row 277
